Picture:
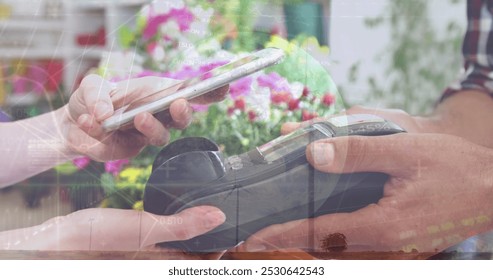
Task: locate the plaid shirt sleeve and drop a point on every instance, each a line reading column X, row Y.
column 477, row 50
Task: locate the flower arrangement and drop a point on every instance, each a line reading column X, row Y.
column 167, row 36
column 297, row 89
column 168, row 42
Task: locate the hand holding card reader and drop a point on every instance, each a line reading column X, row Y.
column 271, row 184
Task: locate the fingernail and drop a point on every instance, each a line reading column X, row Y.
column 144, row 121
column 323, row 153
column 102, row 109
column 214, row 218
column 158, row 141
column 183, row 107
column 255, row 247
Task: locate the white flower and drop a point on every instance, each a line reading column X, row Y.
column 158, row 54
column 171, row 29
column 201, row 15
column 184, row 44
column 210, row 45
column 164, row 6
column 191, row 57
column 199, row 29
column 259, row 99
column 296, row 89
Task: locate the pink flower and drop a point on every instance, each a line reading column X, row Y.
column 183, row 17
column 167, row 38
column 328, row 99
column 200, row 108
column 20, row 84
column 38, row 77
column 152, row 26
column 115, row 166
column 208, row 67
column 186, row 72
column 151, row 47
column 81, row 162
column 274, row 81
column 205, row 69
column 147, row 73
column 241, row 87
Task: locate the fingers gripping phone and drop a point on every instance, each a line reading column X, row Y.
column 200, row 85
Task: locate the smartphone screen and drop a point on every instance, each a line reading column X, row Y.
column 199, row 85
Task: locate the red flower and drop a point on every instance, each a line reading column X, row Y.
column 252, row 116
column 231, row 111
column 328, row 99
column 306, row 116
column 280, row 97
column 293, row 104
column 240, row 104
column 306, row 92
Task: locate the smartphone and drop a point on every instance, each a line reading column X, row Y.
column 202, row 84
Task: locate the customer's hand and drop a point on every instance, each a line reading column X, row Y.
column 99, row 229
column 439, row 194
column 97, row 99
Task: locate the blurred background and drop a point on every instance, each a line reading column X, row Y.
column 383, row 53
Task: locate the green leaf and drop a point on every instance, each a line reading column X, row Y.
column 66, row 168
column 108, row 183
column 141, row 22
column 126, row 36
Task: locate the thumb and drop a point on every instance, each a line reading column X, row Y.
column 93, row 94
column 391, row 154
column 185, row 225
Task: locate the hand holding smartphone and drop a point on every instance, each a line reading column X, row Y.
column 200, row 85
